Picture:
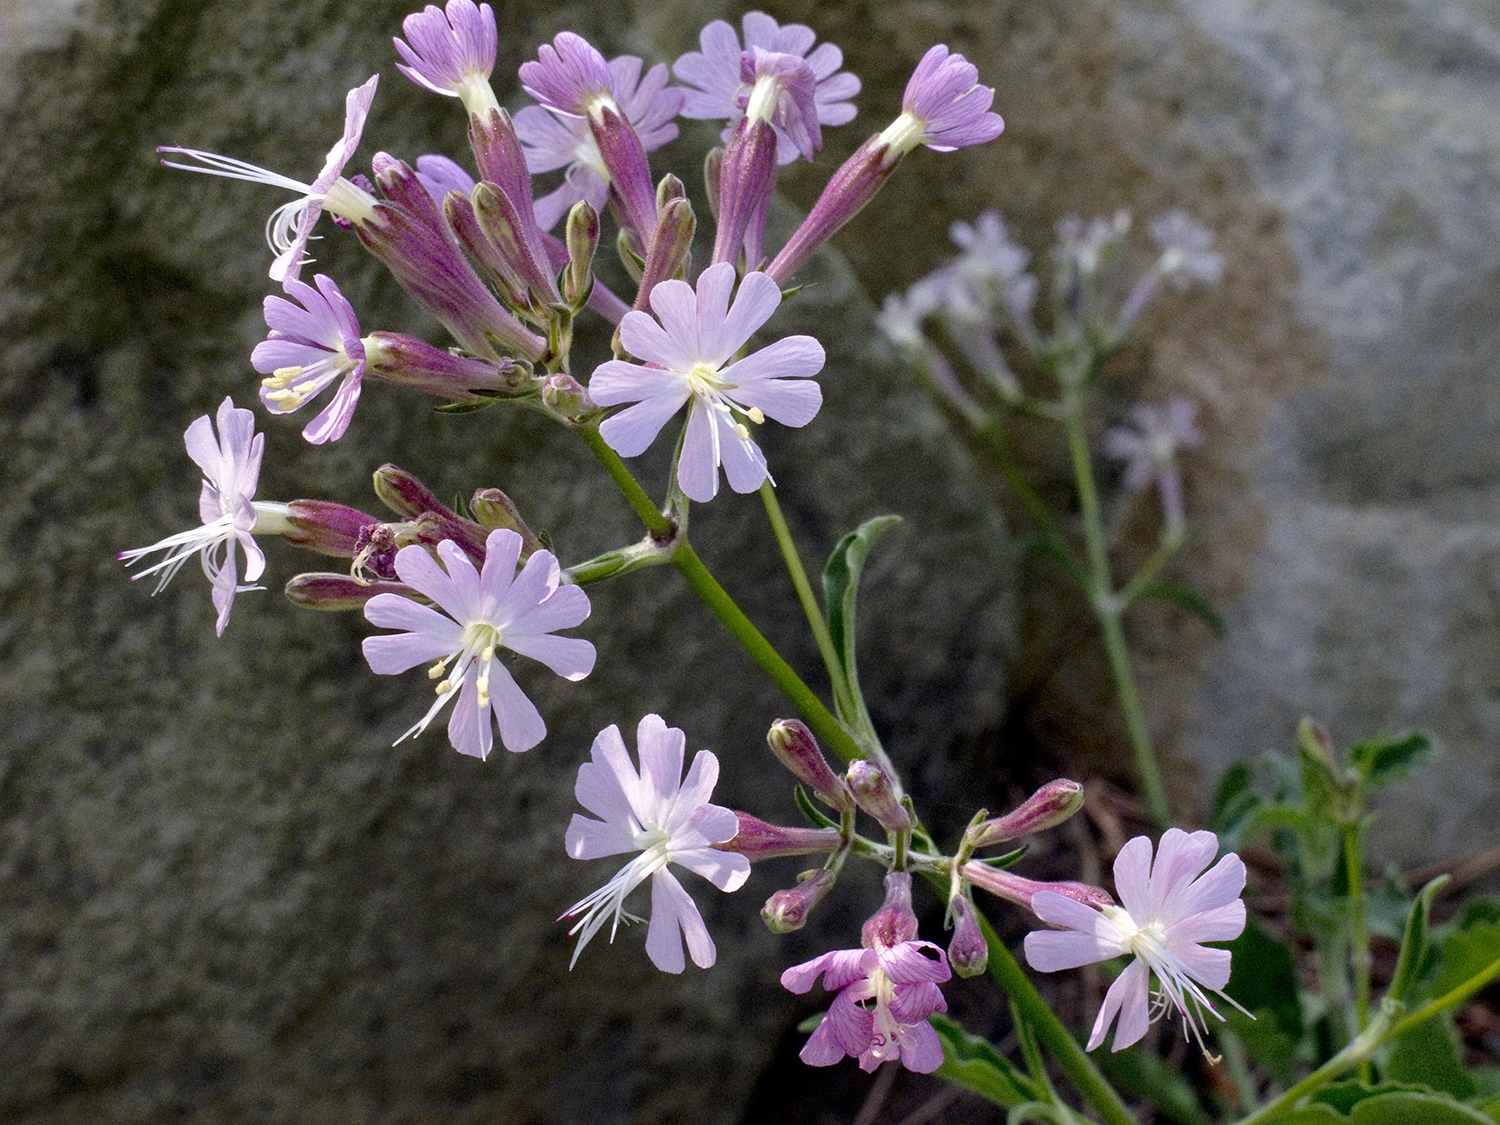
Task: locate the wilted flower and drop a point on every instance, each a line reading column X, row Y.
column 290, row 225
column 687, row 359
column 1168, row 910
column 231, row 468
column 723, row 83
column 667, row 820
column 482, row 612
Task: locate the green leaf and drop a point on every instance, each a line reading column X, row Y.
column 1430, row 1054
column 1147, row 1075
column 1414, row 942
column 972, row 1062
column 1188, row 598
column 1386, row 758
column 1322, row 784
column 840, row 592
column 1464, row 953
column 1264, row 981
column 1234, row 800
column 814, row 815
column 1352, row 1103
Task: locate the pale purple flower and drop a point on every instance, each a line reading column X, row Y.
column 723, row 85
column 231, row 467
column 311, row 344
column 944, row 106
column 886, row 990
column 688, row 359
column 570, row 76
column 483, row 611
column 290, row 225
column 1187, row 253
column 667, row 819
column 554, row 140
column 1150, row 450
column 451, row 52
column 1168, row 910
column 440, row 175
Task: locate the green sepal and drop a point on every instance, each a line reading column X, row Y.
column 815, row 816
column 1414, row 942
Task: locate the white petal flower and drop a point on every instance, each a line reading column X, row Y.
column 1168, row 910
column 667, row 820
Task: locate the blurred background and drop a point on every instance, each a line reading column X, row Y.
column 225, row 896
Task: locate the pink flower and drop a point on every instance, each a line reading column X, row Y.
column 944, row 106
column 667, row 820
column 482, row 612
column 451, row 52
column 308, row 348
column 886, row 991
column 231, row 468
column 722, row 82
column 1169, row 909
column 290, row 225
column 687, row 351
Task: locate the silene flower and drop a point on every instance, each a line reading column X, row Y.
column 1150, row 452
column 886, row 990
column 724, row 75
column 667, row 819
column 311, row 343
column 231, row 467
column 1168, row 909
column 452, row 52
column 482, row 611
column 552, row 139
column 688, row 350
column 290, row 225
column 944, row 107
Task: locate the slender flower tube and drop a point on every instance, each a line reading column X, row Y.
column 333, row 593
column 290, row 225
column 886, row 991
column 1021, row 891
column 231, row 467
column 758, row 840
column 483, row 611
column 1169, row 908
column 796, row 748
column 452, row 52
column 943, row 108
column 667, row 819
column 405, row 495
column 687, row 350
column 555, row 140
column 723, row 89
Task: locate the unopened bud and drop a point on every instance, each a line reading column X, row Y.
column 495, row 510
column 1014, row 888
column 787, row 910
column 405, row 495
column 797, row 749
column 326, row 527
column 670, row 245
column 668, row 188
column 967, row 952
column 1048, row 807
column 582, row 236
column 894, row 922
column 339, row 591
column 874, row 793
column 713, row 168
column 757, row 840
column 565, row 396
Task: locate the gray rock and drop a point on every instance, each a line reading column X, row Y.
column 223, row 894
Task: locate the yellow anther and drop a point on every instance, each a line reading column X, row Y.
column 289, row 399
column 722, row 407
column 444, row 688
column 282, row 377
column 740, row 431
column 756, row 415
column 437, row 669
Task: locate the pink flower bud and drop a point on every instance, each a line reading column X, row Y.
column 326, row 527
column 670, row 244
column 895, row 921
column 787, row 910
column 797, row 749
column 493, row 509
column 405, row 495
column 758, row 840
column 874, row 793
column 1048, row 807
column 1014, row 888
column 967, row 952
column 747, row 178
column 410, row 362
column 339, row 591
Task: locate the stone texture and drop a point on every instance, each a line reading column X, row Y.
column 223, row 894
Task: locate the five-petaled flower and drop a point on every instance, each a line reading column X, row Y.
column 291, row 224
column 1168, row 910
column 722, row 85
column 310, row 345
column 483, row 611
column 886, row 991
column 688, row 358
column 231, row 468
column 667, row 820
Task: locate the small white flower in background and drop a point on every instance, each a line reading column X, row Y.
column 1168, row 909
column 667, row 820
column 482, row 612
column 231, row 468
column 1187, row 253
column 1150, row 451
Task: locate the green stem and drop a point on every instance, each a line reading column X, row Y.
column 1149, row 570
column 656, row 523
column 1359, row 954
column 1107, row 606
column 805, row 595
column 1051, row 1034
column 819, row 718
